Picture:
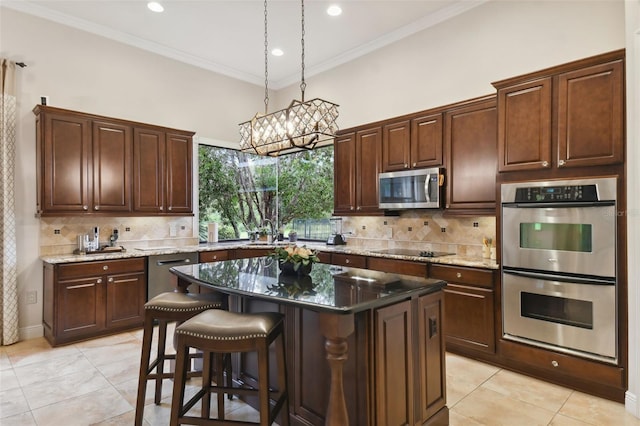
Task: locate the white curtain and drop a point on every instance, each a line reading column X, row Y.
column 8, row 252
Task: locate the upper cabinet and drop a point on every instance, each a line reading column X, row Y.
column 357, row 162
column 567, row 116
column 412, row 143
column 99, row 165
column 470, row 141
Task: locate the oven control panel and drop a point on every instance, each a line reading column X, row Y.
column 567, row 193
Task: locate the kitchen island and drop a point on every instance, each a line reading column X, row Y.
column 363, row 347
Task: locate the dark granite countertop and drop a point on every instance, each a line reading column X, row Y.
column 327, row 288
column 453, row 260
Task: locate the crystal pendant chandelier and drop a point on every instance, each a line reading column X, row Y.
column 302, row 125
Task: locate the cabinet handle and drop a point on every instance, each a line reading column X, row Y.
column 81, row 286
column 85, row 207
column 433, row 326
column 110, row 279
column 561, row 163
column 105, row 267
column 347, row 261
column 545, row 164
column 554, row 363
column 99, row 281
column 458, row 275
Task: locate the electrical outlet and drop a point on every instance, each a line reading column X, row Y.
column 32, row 297
column 172, row 230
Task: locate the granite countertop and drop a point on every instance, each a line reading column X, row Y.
column 454, row 260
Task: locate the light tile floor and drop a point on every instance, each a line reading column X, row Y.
column 95, row 383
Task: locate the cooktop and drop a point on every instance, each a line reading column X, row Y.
column 413, row 252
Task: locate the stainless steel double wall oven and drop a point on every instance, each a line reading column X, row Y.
column 559, row 265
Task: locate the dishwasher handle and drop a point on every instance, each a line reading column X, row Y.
column 172, row 262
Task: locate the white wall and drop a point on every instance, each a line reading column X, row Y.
column 633, row 201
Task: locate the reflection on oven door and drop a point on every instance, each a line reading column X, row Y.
column 569, row 317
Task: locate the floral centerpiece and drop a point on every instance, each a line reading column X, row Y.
column 295, row 259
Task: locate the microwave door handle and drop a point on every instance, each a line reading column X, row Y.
column 427, row 188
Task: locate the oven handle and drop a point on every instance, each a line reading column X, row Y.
column 559, row 204
column 562, row 278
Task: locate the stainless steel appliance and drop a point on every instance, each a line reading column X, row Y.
column 559, row 265
column 159, row 278
column 411, row 189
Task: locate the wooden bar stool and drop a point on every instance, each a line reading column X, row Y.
column 221, row 332
column 165, row 308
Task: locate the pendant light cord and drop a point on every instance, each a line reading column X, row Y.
column 303, row 84
column 266, row 63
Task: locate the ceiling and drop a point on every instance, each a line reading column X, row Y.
column 227, row 36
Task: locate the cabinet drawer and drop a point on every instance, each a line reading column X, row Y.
column 213, row 256
column 244, row 253
column 461, row 275
column 417, row 269
column 101, row 267
column 324, row 257
column 352, row 260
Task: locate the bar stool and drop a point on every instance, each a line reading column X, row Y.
column 222, row 332
column 165, row 308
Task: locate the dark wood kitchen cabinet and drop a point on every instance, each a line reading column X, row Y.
column 84, row 163
column 470, row 151
column 469, row 316
column 162, row 171
column 89, row 164
column 571, row 115
column 357, row 162
column 412, row 143
column 90, row 299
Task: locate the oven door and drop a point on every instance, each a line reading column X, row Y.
column 580, row 239
column 565, row 314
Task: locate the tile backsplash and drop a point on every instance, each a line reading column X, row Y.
column 414, row 229
column 58, row 235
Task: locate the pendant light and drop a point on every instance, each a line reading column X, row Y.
column 302, row 125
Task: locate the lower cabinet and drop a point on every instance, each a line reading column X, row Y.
column 469, row 315
column 394, row 373
column 90, row 299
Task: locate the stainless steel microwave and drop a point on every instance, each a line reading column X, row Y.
column 411, row 189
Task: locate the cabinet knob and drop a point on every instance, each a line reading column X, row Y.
column 161, row 208
column 170, row 208
column 415, row 164
column 351, row 208
column 215, row 257
column 110, row 279
column 96, row 207
column 458, row 275
column 545, row 164
column 561, row 163
column 105, row 267
column 554, row 363
column 406, row 166
column 85, row 207
column 359, row 207
column 347, row 261
column 99, row 281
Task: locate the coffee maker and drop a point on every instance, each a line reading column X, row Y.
column 336, row 238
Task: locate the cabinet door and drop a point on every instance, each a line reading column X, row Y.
column 368, row 164
column 148, row 170
column 80, row 308
column 396, row 139
column 213, row 256
column 179, row 174
column 524, row 126
column 470, row 138
column 65, row 155
column 426, row 141
column 394, row 370
column 112, row 164
column 344, row 175
column 469, row 317
column 126, row 296
column 431, row 396
column 590, row 116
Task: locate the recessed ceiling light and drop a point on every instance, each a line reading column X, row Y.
column 155, row 6
column 277, row 52
column 334, row 10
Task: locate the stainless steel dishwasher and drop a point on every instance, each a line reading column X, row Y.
column 159, row 278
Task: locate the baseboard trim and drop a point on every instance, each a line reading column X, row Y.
column 32, row 332
column 631, row 404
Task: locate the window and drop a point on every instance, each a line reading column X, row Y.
column 245, row 192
